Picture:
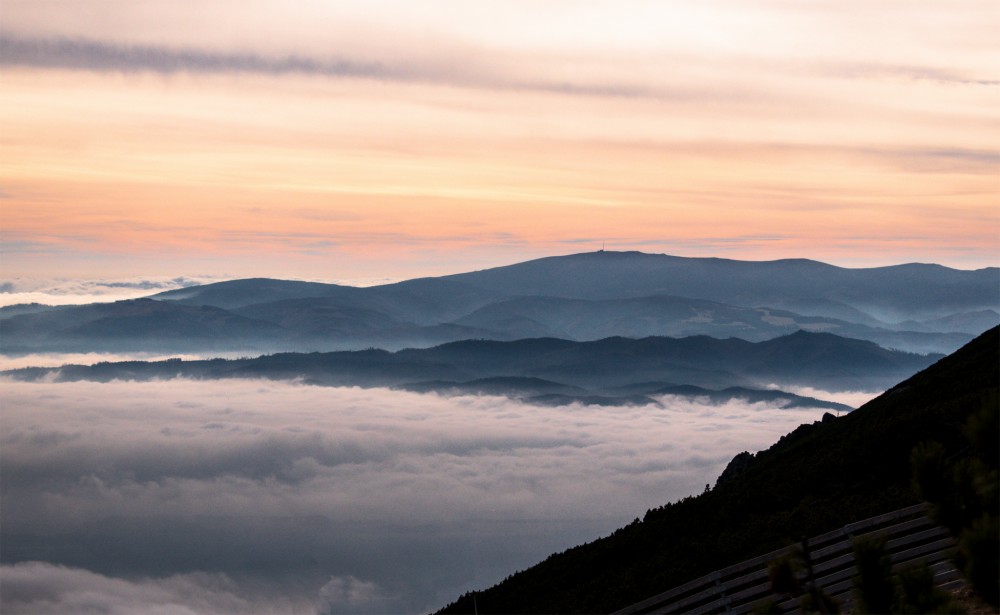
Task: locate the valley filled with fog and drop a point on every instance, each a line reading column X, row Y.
column 464, row 307
column 230, row 496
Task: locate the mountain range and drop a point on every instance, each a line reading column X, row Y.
column 607, row 328
column 553, row 371
column 582, row 297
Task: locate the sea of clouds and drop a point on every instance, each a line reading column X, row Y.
column 270, row 497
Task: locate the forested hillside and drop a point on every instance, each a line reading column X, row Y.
column 818, row 477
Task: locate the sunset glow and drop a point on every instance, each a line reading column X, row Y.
column 350, row 140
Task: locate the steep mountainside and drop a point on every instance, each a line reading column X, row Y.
column 817, row 478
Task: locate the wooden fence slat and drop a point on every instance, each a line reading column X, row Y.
column 933, row 533
column 658, row 598
column 849, row 539
column 737, row 588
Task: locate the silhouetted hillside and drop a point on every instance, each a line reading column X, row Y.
column 817, row 478
column 608, row 367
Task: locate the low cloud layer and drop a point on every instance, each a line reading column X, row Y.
column 74, row 292
column 183, row 496
column 33, row 587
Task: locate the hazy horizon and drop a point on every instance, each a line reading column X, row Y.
column 64, row 290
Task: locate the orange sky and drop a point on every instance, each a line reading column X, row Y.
column 354, row 140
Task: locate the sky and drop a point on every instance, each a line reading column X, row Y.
column 214, row 497
column 361, row 141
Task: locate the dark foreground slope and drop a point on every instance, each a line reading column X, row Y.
column 814, row 479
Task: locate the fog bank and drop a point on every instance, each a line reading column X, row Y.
column 208, row 496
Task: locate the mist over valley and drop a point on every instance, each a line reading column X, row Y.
column 302, row 447
column 493, row 307
column 224, row 496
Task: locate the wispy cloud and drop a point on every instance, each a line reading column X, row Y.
column 392, row 126
column 877, row 70
column 99, row 56
column 84, row 54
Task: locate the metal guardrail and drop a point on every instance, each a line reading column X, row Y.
column 910, row 536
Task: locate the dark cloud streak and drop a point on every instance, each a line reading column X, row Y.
column 83, row 54
column 91, row 55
